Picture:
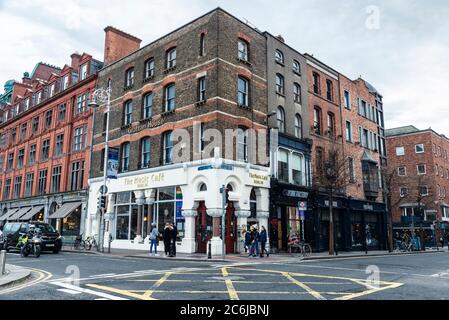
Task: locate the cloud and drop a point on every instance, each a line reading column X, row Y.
column 405, row 58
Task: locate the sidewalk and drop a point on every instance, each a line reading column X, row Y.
column 14, row 274
column 198, row 257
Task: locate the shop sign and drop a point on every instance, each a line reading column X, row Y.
column 259, row 179
column 334, row 203
column 144, row 181
column 148, row 125
column 368, row 207
column 302, row 206
column 294, row 194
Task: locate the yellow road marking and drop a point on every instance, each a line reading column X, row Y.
column 240, row 281
column 312, row 292
column 42, row 276
column 120, row 291
column 231, row 290
column 148, row 293
column 370, row 291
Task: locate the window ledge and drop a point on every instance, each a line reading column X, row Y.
column 280, row 94
column 126, row 126
column 167, row 113
column 280, row 63
column 244, row 106
column 297, row 73
column 169, row 69
column 126, row 88
column 244, row 62
column 200, row 103
column 146, row 120
column 148, row 79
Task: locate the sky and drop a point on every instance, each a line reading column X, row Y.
column 400, row 46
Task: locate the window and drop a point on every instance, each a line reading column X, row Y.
column 243, row 50
column 439, row 151
column 32, row 155
column 27, row 104
column 402, row 171
column 2, row 164
column 331, row 124
column 347, row 100
column 13, row 134
column 351, row 165
column 129, row 78
column 20, row 158
column 56, row 179
column 242, row 144
column 283, row 165
column 423, row 191
column 48, row 118
column 279, row 56
column 442, row 172
column 243, row 92
column 77, row 175
column 23, row 133
column 35, row 125
column 59, row 144
column 400, row 151
column 147, row 106
column 316, row 83
column 279, row 84
column 149, row 68
column 81, row 103
column 296, row 67
column 298, row 126
column 421, row 169
column 128, row 113
column 7, row 191
column 329, row 90
column 42, row 182
column 168, row 147
column 39, row 97
column 297, row 93
column 62, row 112
column 201, row 138
column 29, row 184
column 317, row 120
column 17, row 187
column 170, row 97
column 171, row 58
column 202, row 89
column 10, row 161
column 78, row 139
column 65, row 82
column 297, row 169
column 202, row 42
column 434, row 148
column 436, row 170
column 348, row 131
column 125, row 150
column 45, row 150
column 83, row 72
column 280, row 114
column 403, row 191
column 145, row 153
column 52, row 89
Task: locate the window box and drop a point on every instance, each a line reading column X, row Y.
column 169, row 69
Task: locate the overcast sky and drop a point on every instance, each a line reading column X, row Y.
column 399, row 46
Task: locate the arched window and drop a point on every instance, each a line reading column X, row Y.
column 298, row 126
column 279, row 56
column 281, row 119
column 253, row 205
column 124, row 155
column 279, row 84
column 129, row 80
column 149, row 68
column 128, row 113
column 147, row 105
column 203, row 187
column 170, row 97
column 171, row 58
column 297, row 92
column 317, row 120
column 243, row 51
column 296, row 67
column 242, row 144
column 145, row 152
column 242, row 92
column 168, row 147
column 202, row 43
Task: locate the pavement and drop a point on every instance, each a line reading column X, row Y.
column 14, row 275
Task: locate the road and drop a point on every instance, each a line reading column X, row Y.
column 80, row 276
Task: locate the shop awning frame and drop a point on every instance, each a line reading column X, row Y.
column 9, row 214
column 31, row 213
column 19, row 213
column 65, row 210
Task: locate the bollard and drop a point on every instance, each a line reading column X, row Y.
column 109, row 244
column 2, row 262
column 209, row 254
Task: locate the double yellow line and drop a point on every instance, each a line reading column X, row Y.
column 42, row 276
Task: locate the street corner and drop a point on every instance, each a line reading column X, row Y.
column 13, row 275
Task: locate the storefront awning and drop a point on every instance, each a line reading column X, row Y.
column 31, row 213
column 19, row 213
column 8, row 214
column 65, row 210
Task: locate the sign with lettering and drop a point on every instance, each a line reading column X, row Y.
column 258, row 179
column 112, row 163
column 295, row 194
column 368, row 207
column 146, row 181
column 302, row 206
column 147, row 125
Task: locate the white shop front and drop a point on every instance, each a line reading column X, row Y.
column 187, row 195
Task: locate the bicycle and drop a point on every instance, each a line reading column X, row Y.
column 79, row 243
column 300, row 248
column 90, row 242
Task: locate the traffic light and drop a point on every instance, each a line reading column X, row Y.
column 102, row 202
column 226, row 190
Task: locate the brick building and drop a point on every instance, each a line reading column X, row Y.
column 45, row 145
column 419, row 166
column 205, row 77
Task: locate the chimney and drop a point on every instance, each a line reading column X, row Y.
column 26, row 78
column 118, row 44
column 280, row 38
column 75, row 60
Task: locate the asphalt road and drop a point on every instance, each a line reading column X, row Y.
column 78, row 276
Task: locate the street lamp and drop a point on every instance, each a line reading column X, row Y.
column 102, row 96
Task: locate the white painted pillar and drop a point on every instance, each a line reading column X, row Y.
column 140, row 201
column 189, row 240
column 216, row 241
column 150, row 195
column 109, row 219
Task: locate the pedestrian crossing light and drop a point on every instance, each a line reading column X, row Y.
column 102, row 202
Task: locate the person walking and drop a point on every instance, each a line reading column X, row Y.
column 166, row 235
column 255, row 242
column 250, row 241
column 263, row 242
column 153, row 239
column 247, row 238
column 173, row 236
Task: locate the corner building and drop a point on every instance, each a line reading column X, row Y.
column 208, row 74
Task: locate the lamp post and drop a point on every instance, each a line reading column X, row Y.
column 102, row 96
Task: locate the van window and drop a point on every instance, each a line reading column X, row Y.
column 11, row 228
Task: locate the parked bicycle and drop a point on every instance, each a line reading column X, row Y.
column 302, row 249
column 87, row 244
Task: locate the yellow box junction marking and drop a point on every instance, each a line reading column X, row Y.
column 231, row 290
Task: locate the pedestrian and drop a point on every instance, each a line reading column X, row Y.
column 166, row 235
column 173, row 237
column 247, row 241
column 255, row 246
column 263, row 242
column 250, row 238
column 153, row 239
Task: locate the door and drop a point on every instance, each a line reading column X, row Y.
column 230, row 228
column 203, row 228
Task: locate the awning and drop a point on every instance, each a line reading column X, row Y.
column 8, row 214
column 19, row 213
column 31, row 213
column 65, row 210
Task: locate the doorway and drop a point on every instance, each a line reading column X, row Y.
column 230, row 228
column 203, row 228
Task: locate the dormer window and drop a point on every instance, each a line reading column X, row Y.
column 65, row 82
column 52, row 89
column 83, row 72
column 39, row 97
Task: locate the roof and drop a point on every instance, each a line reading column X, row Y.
column 401, row 130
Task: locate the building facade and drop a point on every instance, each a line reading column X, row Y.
column 45, row 145
column 205, row 82
column 419, row 168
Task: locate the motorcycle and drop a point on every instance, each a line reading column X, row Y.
column 30, row 244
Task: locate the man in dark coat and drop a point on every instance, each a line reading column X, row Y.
column 166, row 236
column 173, row 236
column 263, row 241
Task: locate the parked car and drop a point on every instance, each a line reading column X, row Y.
column 51, row 240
